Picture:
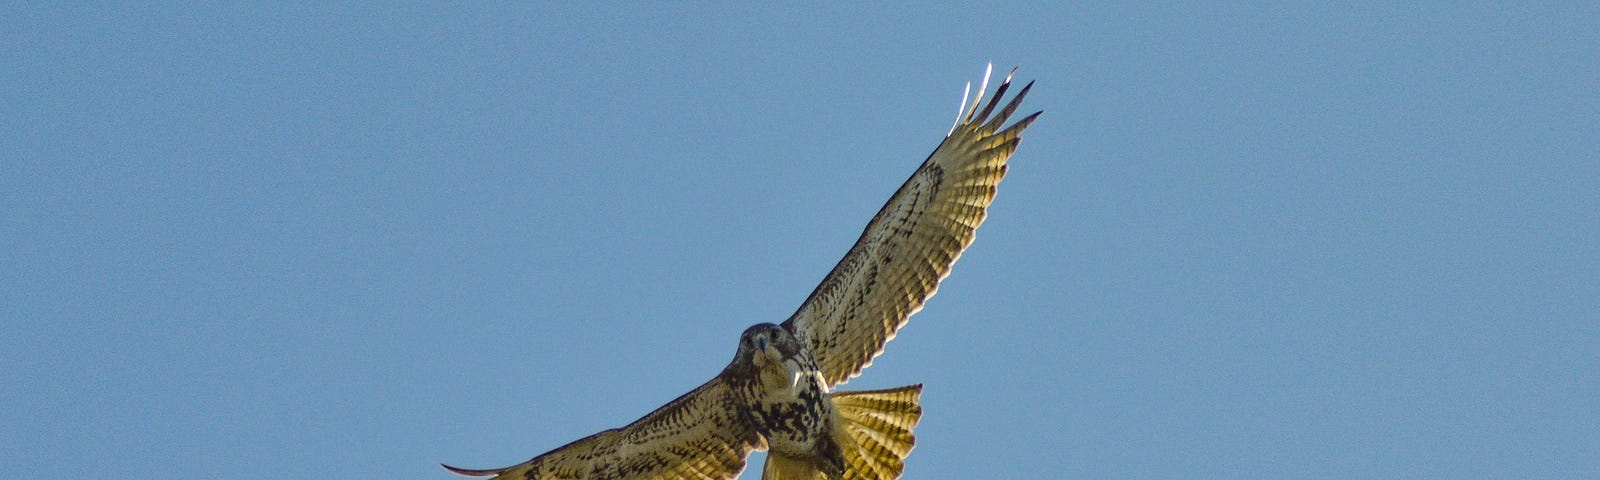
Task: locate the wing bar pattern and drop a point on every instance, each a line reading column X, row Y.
column 910, row 245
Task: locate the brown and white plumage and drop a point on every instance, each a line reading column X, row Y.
column 776, row 393
column 700, row 435
column 910, row 245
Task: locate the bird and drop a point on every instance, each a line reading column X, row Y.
column 777, row 394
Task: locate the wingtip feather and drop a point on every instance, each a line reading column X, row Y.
column 960, row 110
column 467, row 472
column 970, row 113
column 983, row 88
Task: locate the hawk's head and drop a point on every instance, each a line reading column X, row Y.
column 767, row 344
column 774, row 355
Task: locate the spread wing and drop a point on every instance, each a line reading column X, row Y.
column 700, row 435
column 909, row 246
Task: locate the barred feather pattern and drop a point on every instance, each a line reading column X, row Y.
column 906, row 249
column 879, row 425
column 702, row 435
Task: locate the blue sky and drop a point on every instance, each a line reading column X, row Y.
column 1244, row 241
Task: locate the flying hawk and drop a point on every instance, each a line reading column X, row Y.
column 776, row 394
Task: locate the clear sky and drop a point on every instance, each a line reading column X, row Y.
column 354, row 241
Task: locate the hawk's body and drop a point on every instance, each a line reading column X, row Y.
column 776, row 393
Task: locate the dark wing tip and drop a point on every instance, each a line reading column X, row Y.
column 1010, row 108
column 472, row 473
column 1023, row 124
column 993, row 100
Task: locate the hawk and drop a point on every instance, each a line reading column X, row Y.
column 776, row 394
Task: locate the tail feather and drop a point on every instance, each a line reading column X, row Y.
column 877, row 430
column 784, row 467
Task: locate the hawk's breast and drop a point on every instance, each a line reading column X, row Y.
column 793, row 414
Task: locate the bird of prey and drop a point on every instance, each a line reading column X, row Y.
column 777, row 393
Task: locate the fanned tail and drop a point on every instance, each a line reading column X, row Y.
column 877, row 430
column 784, row 467
column 873, row 431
